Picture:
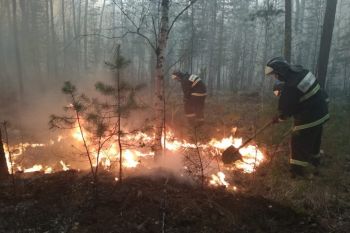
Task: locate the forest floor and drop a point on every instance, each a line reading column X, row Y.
column 268, row 200
column 66, row 202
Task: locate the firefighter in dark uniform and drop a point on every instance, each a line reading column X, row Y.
column 301, row 97
column 195, row 92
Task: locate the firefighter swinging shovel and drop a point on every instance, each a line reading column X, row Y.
column 231, row 154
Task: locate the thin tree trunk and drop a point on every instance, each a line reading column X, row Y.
column 76, row 35
column 48, row 43
column 35, row 47
column 297, row 17
column 17, row 52
column 193, row 33
column 63, row 36
column 221, row 45
column 119, row 125
column 288, row 30
column 212, row 43
column 53, row 41
column 159, row 84
column 98, row 52
column 326, row 40
column 85, row 35
column 113, row 19
column 300, row 32
column 2, row 43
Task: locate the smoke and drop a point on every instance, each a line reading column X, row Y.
column 171, row 165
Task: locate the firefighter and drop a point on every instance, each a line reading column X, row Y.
column 301, row 97
column 195, row 92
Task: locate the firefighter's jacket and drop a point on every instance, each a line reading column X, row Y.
column 303, row 98
column 194, row 91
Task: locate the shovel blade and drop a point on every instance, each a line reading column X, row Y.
column 230, row 155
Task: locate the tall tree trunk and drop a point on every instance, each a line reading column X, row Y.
column 2, row 44
column 85, row 35
column 326, row 40
column 300, row 31
column 159, row 82
column 212, row 43
column 296, row 18
column 193, row 34
column 288, row 30
column 63, row 36
column 221, row 45
column 76, row 27
column 254, row 52
column 53, row 41
column 113, row 19
column 35, row 48
column 17, row 52
column 99, row 52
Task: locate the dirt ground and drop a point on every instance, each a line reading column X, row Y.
column 67, row 202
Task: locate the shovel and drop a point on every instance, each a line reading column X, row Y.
column 231, row 154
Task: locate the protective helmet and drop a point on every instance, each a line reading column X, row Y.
column 277, row 65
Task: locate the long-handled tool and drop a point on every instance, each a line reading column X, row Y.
column 231, row 154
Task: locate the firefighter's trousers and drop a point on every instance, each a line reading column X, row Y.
column 305, row 146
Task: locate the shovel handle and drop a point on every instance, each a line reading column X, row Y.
column 256, row 133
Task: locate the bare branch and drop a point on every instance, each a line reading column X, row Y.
column 154, row 29
column 136, row 26
column 126, row 15
column 178, row 15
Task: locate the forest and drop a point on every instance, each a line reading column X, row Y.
column 175, row 116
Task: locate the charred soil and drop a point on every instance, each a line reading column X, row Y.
column 69, row 202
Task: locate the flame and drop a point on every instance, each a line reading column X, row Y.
column 35, row 168
column 251, row 155
column 129, row 159
column 64, row 166
column 108, row 154
column 219, row 180
column 48, row 170
column 226, row 142
column 251, row 158
column 8, row 161
column 16, row 151
column 77, row 134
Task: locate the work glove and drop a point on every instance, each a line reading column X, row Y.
column 277, row 88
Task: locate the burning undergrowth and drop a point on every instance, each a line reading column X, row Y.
column 93, row 137
column 66, row 152
column 64, row 202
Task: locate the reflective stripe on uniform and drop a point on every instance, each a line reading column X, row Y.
column 195, row 82
column 310, row 93
column 193, row 77
column 306, row 82
column 298, row 162
column 199, row 94
column 312, row 124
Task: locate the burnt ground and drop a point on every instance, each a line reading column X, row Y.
column 66, row 202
